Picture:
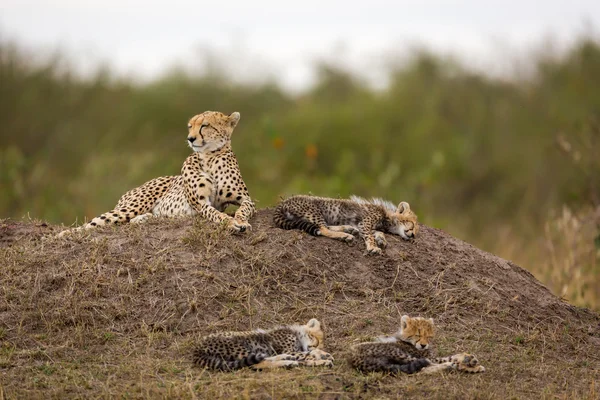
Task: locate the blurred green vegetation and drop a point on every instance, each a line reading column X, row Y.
column 477, row 156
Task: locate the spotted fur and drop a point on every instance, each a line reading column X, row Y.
column 340, row 219
column 286, row 346
column 210, row 181
column 409, row 351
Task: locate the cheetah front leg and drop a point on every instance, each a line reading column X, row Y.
column 437, row 368
column 231, row 189
column 210, row 213
column 463, row 362
column 313, row 358
column 200, row 202
column 368, row 232
column 278, row 361
column 244, row 212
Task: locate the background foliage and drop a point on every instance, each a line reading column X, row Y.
column 510, row 165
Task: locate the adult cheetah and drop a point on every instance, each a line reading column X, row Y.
column 210, row 180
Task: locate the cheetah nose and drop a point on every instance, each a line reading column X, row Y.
column 191, row 139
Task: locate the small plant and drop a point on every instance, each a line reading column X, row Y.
column 520, row 339
column 108, row 336
column 47, row 369
column 307, row 389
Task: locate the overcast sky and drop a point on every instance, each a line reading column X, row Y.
column 283, row 39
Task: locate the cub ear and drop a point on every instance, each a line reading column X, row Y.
column 234, row 118
column 313, row 324
column 403, row 207
column 404, row 321
column 431, row 320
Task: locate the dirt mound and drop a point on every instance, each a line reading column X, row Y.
column 12, row 232
column 116, row 312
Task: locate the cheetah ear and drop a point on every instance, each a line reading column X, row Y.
column 404, row 321
column 313, row 324
column 403, row 207
column 431, row 320
column 234, row 118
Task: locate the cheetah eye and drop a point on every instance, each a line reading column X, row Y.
column 203, row 126
column 189, row 126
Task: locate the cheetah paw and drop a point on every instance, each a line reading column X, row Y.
column 141, row 218
column 319, row 354
column 324, row 363
column 351, row 230
column 70, row 232
column 373, row 251
column 317, row 363
column 64, row 233
column 380, row 240
column 237, row 226
column 289, row 364
column 348, row 238
column 466, row 362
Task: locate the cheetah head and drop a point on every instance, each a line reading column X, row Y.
column 314, row 334
column 403, row 222
column 211, row 130
column 417, row 331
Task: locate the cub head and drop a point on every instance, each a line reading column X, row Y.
column 313, row 334
column 403, row 222
column 417, row 331
column 211, row 130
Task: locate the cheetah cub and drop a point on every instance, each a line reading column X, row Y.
column 341, row 219
column 408, row 350
column 210, row 181
column 286, row 346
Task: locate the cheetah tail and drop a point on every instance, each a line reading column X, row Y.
column 217, row 363
column 284, row 219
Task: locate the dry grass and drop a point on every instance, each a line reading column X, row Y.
column 116, row 313
column 573, row 265
column 565, row 256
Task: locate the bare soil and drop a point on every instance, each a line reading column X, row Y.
column 115, row 313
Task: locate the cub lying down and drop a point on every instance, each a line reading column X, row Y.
column 341, row 219
column 285, row 346
column 408, row 350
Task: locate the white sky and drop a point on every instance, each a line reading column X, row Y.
column 283, row 39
